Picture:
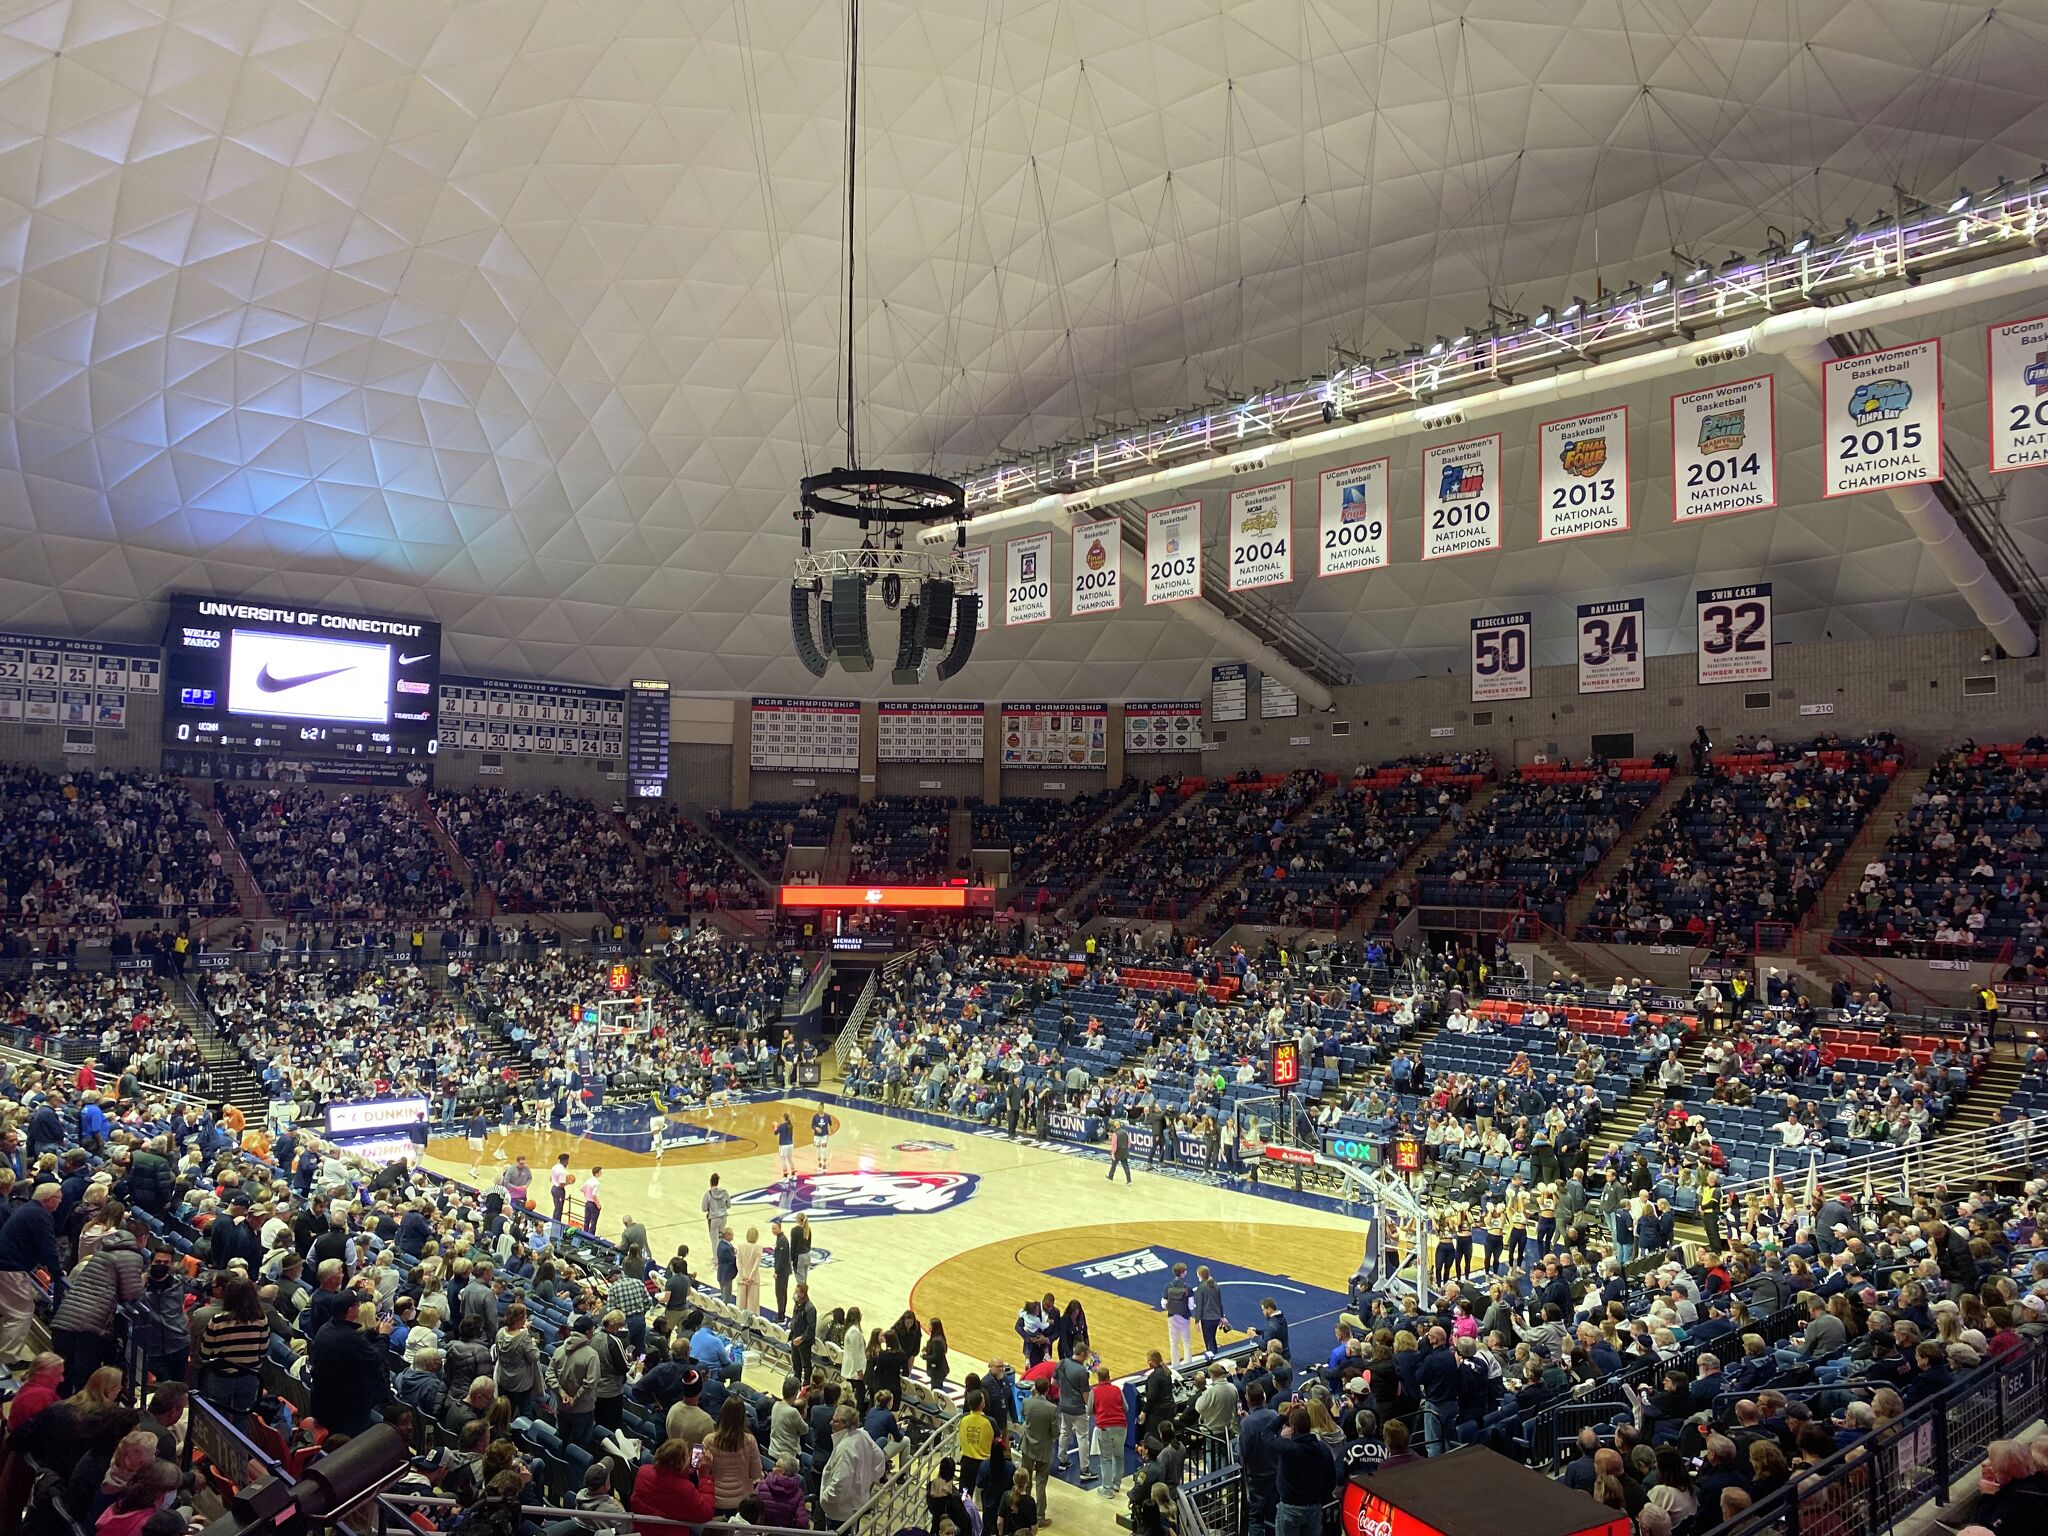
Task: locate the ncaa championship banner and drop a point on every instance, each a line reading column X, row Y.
column 1584, row 479
column 1881, row 419
column 1500, row 656
column 1611, row 646
column 1735, row 634
column 1262, row 536
column 978, row 561
column 1173, row 553
column 1098, row 567
column 1353, row 518
column 1027, row 582
column 1724, row 450
column 2018, row 371
column 1461, row 497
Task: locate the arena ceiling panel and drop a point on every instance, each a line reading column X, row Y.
column 522, row 315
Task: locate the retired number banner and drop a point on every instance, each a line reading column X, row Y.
column 1500, row 656
column 1173, row 553
column 1611, row 646
column 1584, row 483
column 1352, row 528
column 1881, row 415
column 1098, row 567
column 1461, row 497
column 2019, row 394
column 1724, row 451
column 1262, row 536
column 1735, row 634
column 1027, row 583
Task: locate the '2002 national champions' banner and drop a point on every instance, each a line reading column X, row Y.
column 1098, row 568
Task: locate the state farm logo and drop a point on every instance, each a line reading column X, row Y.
column 836, row 1196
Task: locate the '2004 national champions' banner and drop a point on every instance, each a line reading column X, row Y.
column 1262, row 536
column 1724, row 451
column 1354, row 515
column 1500, row 656
column 1098, row 567
column 1735, row 634
column 1173, row 553
column 1611, row 646
column 2018, row 358
column 1881, row 419
column 1584, row 481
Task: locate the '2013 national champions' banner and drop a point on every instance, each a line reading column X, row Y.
column 1500, row 656
column 1584, row 479
column 1611, row 646
column 1734, row 625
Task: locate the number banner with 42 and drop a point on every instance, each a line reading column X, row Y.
column 1611, row 646
column 1500, row 656
column 1735, row 634
column 1461, row 497
column 1724, row 450
column 1584, row 481
column 1098, row 567
column 1352, row 529
column 1262, row 536
column 1173, row 553
column 1027, row 579
column 2019, row 394
column 1881, row 413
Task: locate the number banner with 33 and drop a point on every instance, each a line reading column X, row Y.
column 1735, row 634
column 1584, row 483
column 1027, row 579
column 1173, row 553
column 2019, row 394
column 1882, row 419
column 1500, row 656
column 1724, row 450
column 978, row 561
column 1262, row 536
column 1352, row 532
column 1461, row 497
column 1611, row 645
column 1098, row 567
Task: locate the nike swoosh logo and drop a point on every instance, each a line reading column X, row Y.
column 406, row 661
column 270, row 682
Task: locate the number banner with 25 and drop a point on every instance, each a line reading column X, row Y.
column 1735, row 634
column 1500, row 656
column 1611, row 646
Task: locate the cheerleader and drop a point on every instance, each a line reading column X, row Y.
column 1518, row 1224
column 1446, row 1248
column 1471, row 1230
column 1493, row 1226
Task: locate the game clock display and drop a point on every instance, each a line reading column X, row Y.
column 264, row 677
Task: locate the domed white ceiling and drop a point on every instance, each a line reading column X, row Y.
column 522, row 313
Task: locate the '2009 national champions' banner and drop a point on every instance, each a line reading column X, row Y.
column 1354, row 516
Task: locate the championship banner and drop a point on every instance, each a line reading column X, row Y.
column 1173, row 725
column 2018, row 371
column 1262, row 536
column 805, row 733
column 1584, row 481
column 1055, row 735
column 1611, row 646
column 978, row 562
column 1500, row 657
column 1027, row 584
column 929, row 733
column 1881, row 419
column 1735, row 634
column 1461, row 497
column 1724, row 450
column 1173, row 553
column 1354, row 517
column 1098, row 567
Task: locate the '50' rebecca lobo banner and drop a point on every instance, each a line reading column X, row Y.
column 1027, row 582
column 1262, row 536
column 1500, row 656
column 1173, row 553
column 1352, row 532
column 1585, row 474
column 1098, row 567
column 1461, row 497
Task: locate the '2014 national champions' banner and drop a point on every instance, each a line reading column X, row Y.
column 1724, row 451
column 1734, row 624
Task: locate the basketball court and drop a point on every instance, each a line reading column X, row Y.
column 964, row 1226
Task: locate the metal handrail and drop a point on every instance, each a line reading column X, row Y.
column 848, row 1038
column 1954, row 1157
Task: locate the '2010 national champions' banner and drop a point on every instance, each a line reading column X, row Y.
column 2018, row 370
column 1461, row 502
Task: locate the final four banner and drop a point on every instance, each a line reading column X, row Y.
column 978, row 561
column 1881, row 419
column 1173, row 725
column 1027, row 582
column 1098, row 567
column 1724, row 450
column 1461, row 497
column 1584, row 483
column 1500, row 656
column 1735, row 634
column 2018, row 356
column 1262, row 536
column 1611, row 646
column 1354, row 518
column 1173, row 553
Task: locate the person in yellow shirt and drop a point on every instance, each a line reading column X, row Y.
column 977, row 1440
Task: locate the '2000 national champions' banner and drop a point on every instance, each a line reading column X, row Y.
column 1098, row 567
column 1735, row 634
column 2018, row 355
column 1500, row 656
column 1027, row 579
column 1461, row 497
column 1881, row 419
column 1611, row 646
column 1724, row 451
column 1262, row 536
column 1354, row 508
column 1584, row 480
column 1173, row 553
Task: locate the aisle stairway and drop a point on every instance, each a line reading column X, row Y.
column 1646, row 1100
column 1865, row 846
column 1369, row 913
column 839, row 851
column 249, row 899
column 1617, row 857
column 486, row 901
column 232, row 1077
column 700, row 818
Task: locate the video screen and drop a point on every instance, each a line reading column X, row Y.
column 259, row 677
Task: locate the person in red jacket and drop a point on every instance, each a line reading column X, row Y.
column 677, row 1486
column 1106, row 1400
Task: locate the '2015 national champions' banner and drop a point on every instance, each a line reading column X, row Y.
column 1500, row 656
column 1734, row 625
column 1881, row 419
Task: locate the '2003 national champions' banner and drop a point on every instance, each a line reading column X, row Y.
column 1173, row 553
column 1098, row 567
column 1500, row 656
column 1881, row 419
column 1735, row 634
column 2018, row 357
column 1611, row 646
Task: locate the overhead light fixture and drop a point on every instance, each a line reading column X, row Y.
column 1574, row 309
column 1962, row 201
column 1542, row 317
column 1438, row 345
column 1805, row 240
column 1663, row 282
column 1464, row 339
column 1697, row 275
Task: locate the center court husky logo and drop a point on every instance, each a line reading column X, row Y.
column 837, row 1196
column 1880, row 400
